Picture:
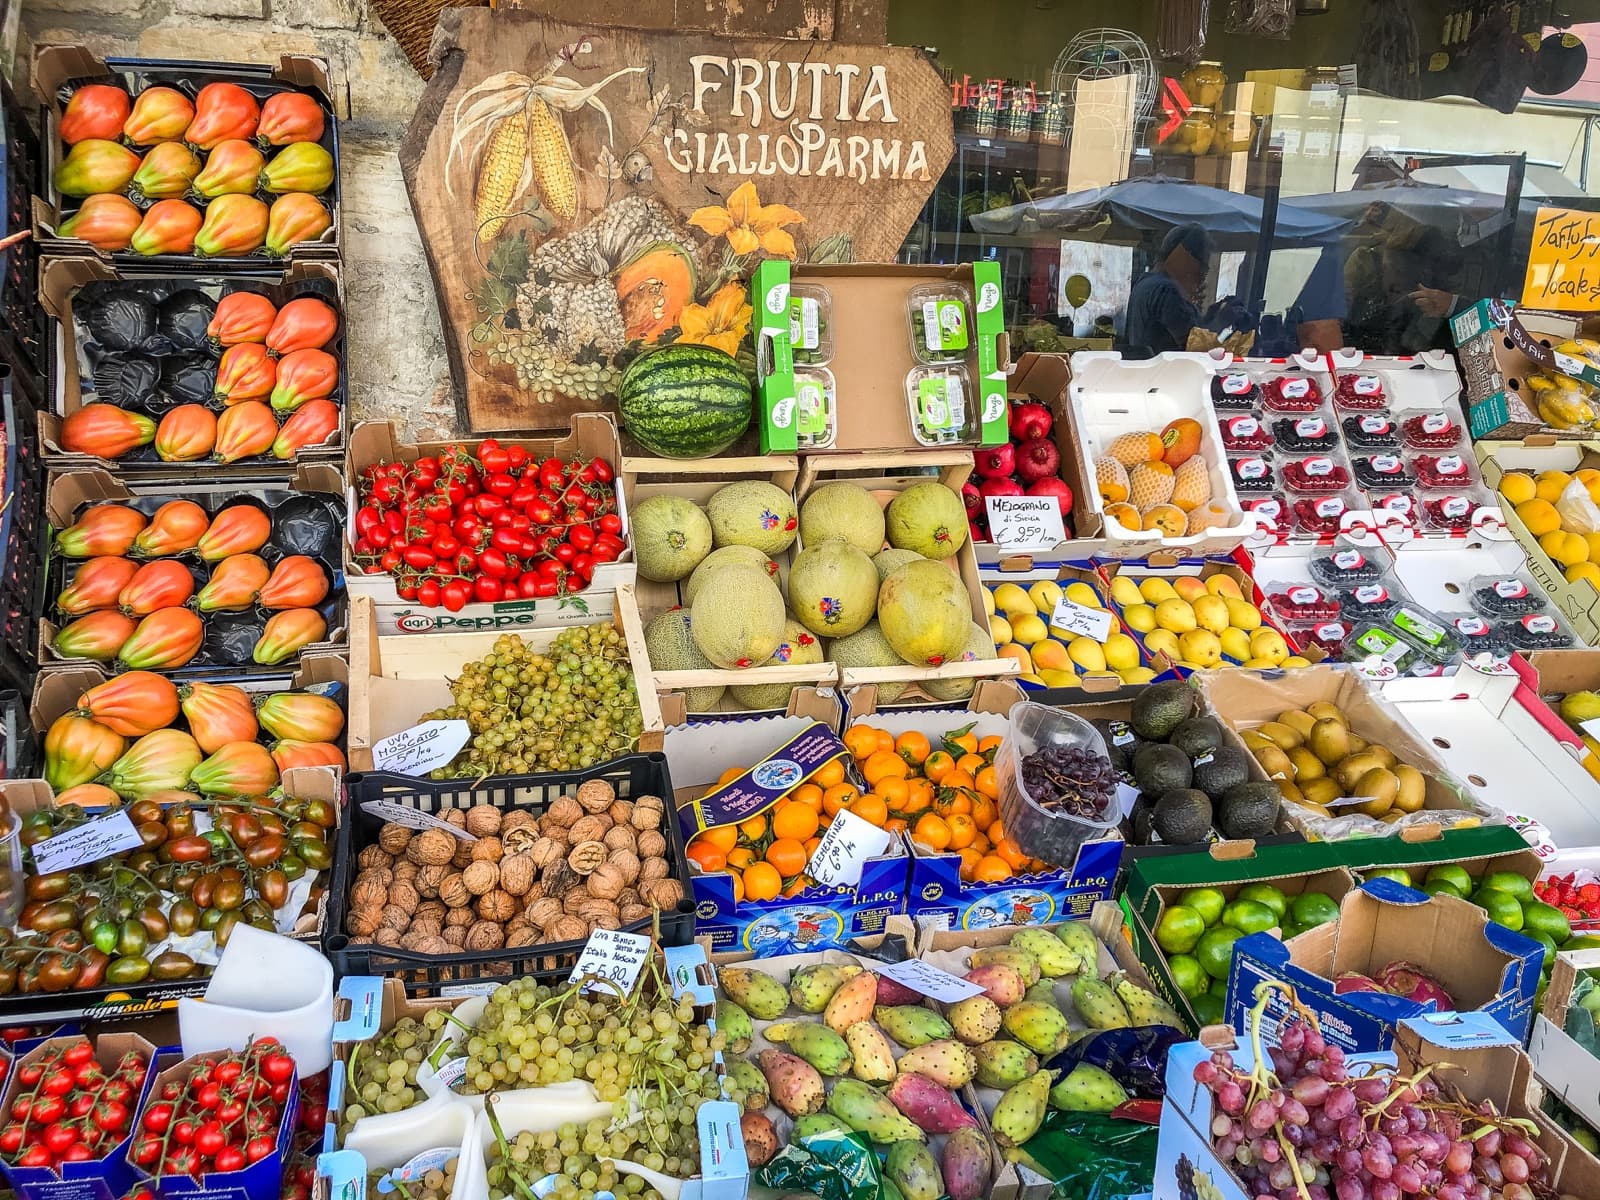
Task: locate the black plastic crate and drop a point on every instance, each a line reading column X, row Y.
column 23, row 528
column 429, row 974
column 16, row 737
column 23, row 326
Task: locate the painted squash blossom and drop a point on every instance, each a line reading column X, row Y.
column 721, row 322
column 750, row 225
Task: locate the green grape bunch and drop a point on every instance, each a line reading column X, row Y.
column 381, row 1075
column 436, row 1183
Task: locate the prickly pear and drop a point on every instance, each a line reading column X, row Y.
column 966, row 1164
column 1024, row 963
column 760, row 1138
column 819, row 1123
column 747, row 1076
column 975, row 1019
column 1055, row 959
column 892, row 992
column 914, row 1170
column 911, row 1026
column 817, row 1044
column 735, row 1024
column 851, row 1001
column 1040, row 1027
column 1004, row 1064
column 1043, row 992
column 1088, row 1089
column 1000, row 983
column 758, row 993
column 1144, row 1006
column 946, row 1062
column 810, row 988
column 1085, row 947
column 793, row 1083
column 867, row 1110
column 1098, row 1005
column 1021, row 1110
column 873, row 1055
column 930, row 1107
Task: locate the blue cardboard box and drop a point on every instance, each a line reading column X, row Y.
column 1484, row 967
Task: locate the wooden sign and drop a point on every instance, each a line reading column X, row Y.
column 1564, row 261
column 585, row 195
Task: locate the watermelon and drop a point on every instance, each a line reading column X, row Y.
column 685, row 401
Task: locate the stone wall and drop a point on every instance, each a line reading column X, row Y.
column 397, row 363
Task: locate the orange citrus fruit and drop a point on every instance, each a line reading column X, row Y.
column 829, row 773
column 870, row 808
column 787, row 855
column 895, row 793
column 1011, row 853
column 969, row 863
column 991, row 870
column 938, row 765
column 798, row 821
column 913, row 747
column 962, row 831
column 754, row 829
column 989, row 744
column 723, row 837
column 861, row 740
column 762, row 882
column 885, row 764
column 987, row 782
column 809, row 794
column 706, row 856
column 967, row 741
column 838, row 796
column 741, row 857
column 729, row 776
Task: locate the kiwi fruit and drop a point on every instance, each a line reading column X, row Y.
column 1383, row 754
column 1412, row 791
column 1297, row 720
column 1321, row 791
column 1255, row 740
column 1329, row 741
column 1379, row 787
column 1285, row 737
column 1353, row 767
column 1307, row 766
column 1326, row 710
column 1290, row 791
column 1358, row 743
column 1275, row 763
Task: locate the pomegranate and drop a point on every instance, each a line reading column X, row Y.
column 1037, row 458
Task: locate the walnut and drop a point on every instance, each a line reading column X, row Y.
column 665, row 894
column 626, row 863
column 430, row 877
column 621, row 812
column 364, row 922
column 481, row 877
column 483, row 820
column 404, row 895
column 415, row 938
column 456, row 937
column 430, row 910
column 407, row 870
column 394, row 838
column 453, row 891
column 536, row 892
column 574, row 900
column 647, row 812
column 433, row 847
column 518, row 875
column 497, row 906
column 559, row 879
column 456, row 817
column 596, row 910
column 485, row 935
column 523, row 937
column 561, row 813
column 596, row 795
column 458, row 916
column 567, row 929
column 586, row 857
column 545, row 852
column 519, row 839
column 651, row 844
column 620, row 837
column 631, row 913
column 389, row 937
column 607, row 882
column 438, row 945
column 373, row 856
column 589, row 829
column 542, row 912
column 630, row 895
column 517, row 818
column 462, row 856
column 394, row 917
column 653, row 868
column 426, row 927
column 369, row 890
column 488, row 849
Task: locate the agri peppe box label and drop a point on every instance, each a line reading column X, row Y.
column 489, row 618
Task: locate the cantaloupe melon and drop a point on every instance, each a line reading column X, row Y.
column 753, row 512
column 979, row 645
column 670, row 537
column 928, row 518
column 890, row 560
column 748, row 555
column 738, row 616
column 833, row 588
column 845, row 512
column 799, row 646
column 672, row 647
column 869, row 648
column 925, row 612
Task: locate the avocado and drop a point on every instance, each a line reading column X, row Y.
column 1158, row 769
column 1182, row 817
column 1248, row 810
column 1121, row 742
column 1161, row 708
column 1196, row 736
column 1140, row 819
column 1227, row 767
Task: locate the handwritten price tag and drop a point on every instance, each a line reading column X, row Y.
column 90, row 842
column 930, row 981
column 844, row 850
column 421, row 748
column 412, row 818
column 611, row 956
column 1082, row 620
column 1025, row 522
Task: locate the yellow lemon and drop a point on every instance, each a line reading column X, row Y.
column 1243, row 615
column 1201, row 647
column 1235, row 644
column 1028, row 629
column 1162, row 641
column 1155, row 591
column 1225, row 586
column 1045, row 594
column 1211, row 612
column 1585, row 571
column 1517, row 487
column 1140, row 618
column 1134, row 676
column 1125, row 591
column 1122, row 652
column 1189, row 587
column 1176, row 615
column 1000, row 630
column 1081, row 593
column 1539, row 516
column 1550, row 485
column 1087, row 653
column 1013, row 601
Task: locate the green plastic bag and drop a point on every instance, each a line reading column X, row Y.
column 831, row 1166
column 1093, row 1157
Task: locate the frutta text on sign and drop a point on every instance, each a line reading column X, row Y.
column 1025, row 522
column 1564, row 261
column 611, row 957
column 844, row 850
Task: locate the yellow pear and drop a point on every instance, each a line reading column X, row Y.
column 1058, row 678
column 1140, row 618
column 1051, row 655
column 1225, row 586
column 1013, row 601
column 1126, row 591
column 1137, row 675
column 1079, row 593
column 1121, row 652
column 1269, row 644
column 1087, row 653
column 1259, row 664
column 1176, row 615
column 1156, row 590
column 1189, row 587
column 1034, row 679
column 1201, row 647
column 1235, row 644
column 1045, row 594
column 1211, row 612
column 1294, row 661
column 988, row 601
column 1162, row 641
column 1028, row 628
column 1242, row 614
column 1000, row 630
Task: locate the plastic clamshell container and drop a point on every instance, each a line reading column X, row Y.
column 942, row 406
column 11, row 875
column 1371, row 640
column 939, row 316
column 1112, row 396
column 810, row 323
column 1498, row 597
column 1052, row 836
column 816, row 419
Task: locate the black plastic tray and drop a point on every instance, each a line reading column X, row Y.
column 431, row 974
column 23, row 528
column 23, row 325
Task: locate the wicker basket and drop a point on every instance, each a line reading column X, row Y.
column 411, row 22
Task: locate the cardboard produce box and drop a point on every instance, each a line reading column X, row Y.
column 868, row 347
column 1566, row 1066
column 394, row 680
column 1499, row 344
column 1469, row 1052
column 593, row 435
column 1154, row 883
column 777, row 753
column 1484, row 967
